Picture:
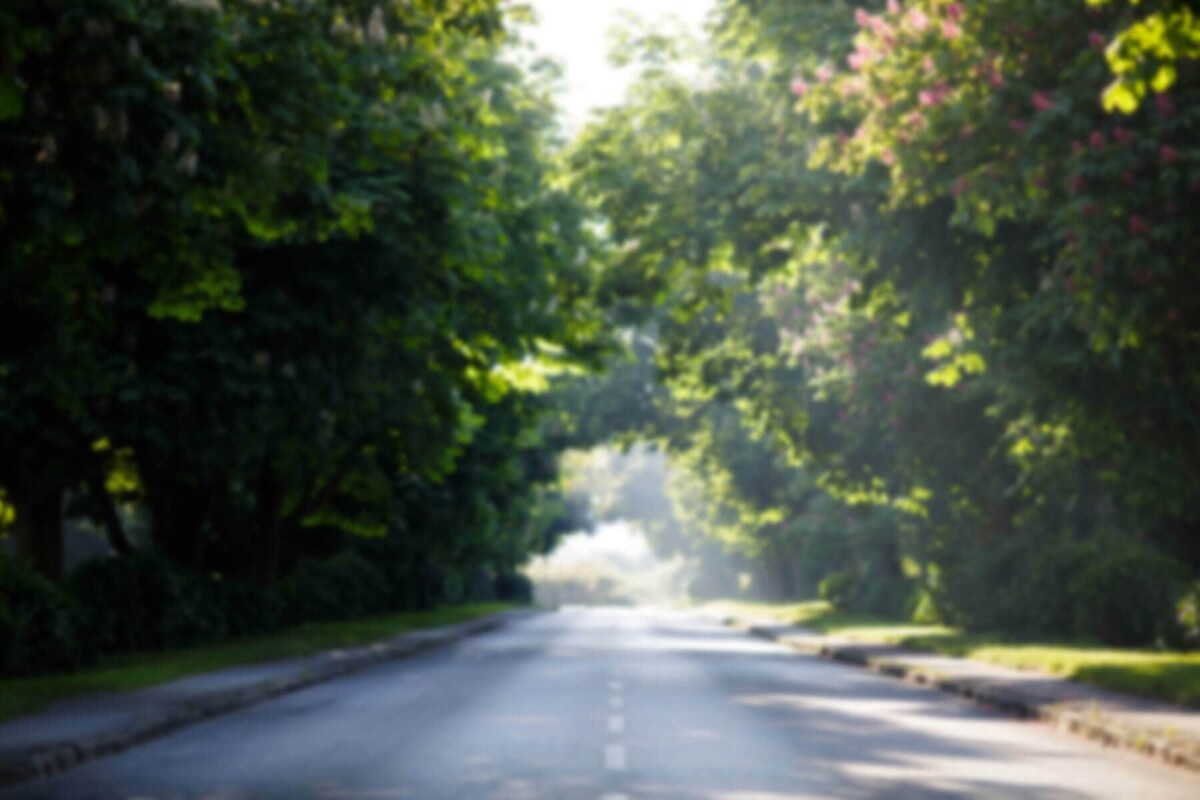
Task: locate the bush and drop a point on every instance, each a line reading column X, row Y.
column 41, row 627
column 342, row 587
column 126, row 599
column 513, row 587
column 1019, row 586
column 838, row 589
column 1127, row 597
column 247, row 609
column 144, row 601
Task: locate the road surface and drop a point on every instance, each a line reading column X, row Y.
column 612, row 704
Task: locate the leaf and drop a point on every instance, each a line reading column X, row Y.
column 12, row 100
column 1119, row 96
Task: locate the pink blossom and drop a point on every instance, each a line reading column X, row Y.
column 1019, row 125
column 951, row 29
column 862, row 18
column 927, row 64
column 842, row 138
column 893, row 6
column 888, row 157
column 824, row 73
column 1076, row 147
column 927, row 97
column 1077, row 183
column 880, row 27
column 917, row 19
column 1168, row 154
column 1122, row 136
column 1097, row 140
column 915, row 119
column 799, row 88
column 996, row 79
column 955, row 11
column 855, row 60
column 1042, row 101
column 1097, row 40
column 960, row 186
column 1137, row 225
column 1163, row 103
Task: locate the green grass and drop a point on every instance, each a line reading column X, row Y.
column 1162, row 675
column 120, row 673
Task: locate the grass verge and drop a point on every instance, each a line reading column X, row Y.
column 127, row 671
column 1163, row 675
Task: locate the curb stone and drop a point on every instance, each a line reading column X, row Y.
column 58, row 757
column 1089, row 721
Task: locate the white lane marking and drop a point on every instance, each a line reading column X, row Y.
column 616, row 724
column 615, row 797
column 615, row 685
column 614, row 757
column 616, row 702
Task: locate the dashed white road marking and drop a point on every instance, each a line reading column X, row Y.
column 615, row 797
column 614, row 757
column 615, row 685
column 616, row 724
column 616, row 702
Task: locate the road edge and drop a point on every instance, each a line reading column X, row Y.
column 53, row 759
column 1091, row 723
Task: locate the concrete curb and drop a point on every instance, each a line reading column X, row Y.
column 1089, row 720
column 60, row 756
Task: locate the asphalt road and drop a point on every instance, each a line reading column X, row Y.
column 616, row 705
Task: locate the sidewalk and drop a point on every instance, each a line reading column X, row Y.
column 80, row 729
column 1158, row 729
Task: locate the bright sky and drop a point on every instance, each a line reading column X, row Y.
column 575, row 33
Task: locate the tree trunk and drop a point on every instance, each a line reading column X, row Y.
column 38, row 527
column 268, row 520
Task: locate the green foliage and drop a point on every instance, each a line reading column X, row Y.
column 42, row 628
column 514, row 587
column 1128, row 597
column 915, row 301
column 837, row 589
column 345, row 586
column 144, row 601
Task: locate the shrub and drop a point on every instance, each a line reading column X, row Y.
column 41, row 627
column 144, row 601
column 1127, row 597
column 125, row 599
column 342, row 587
column 247, row 609
column 1019, row 586
column 513, row 587
column 838, row 589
